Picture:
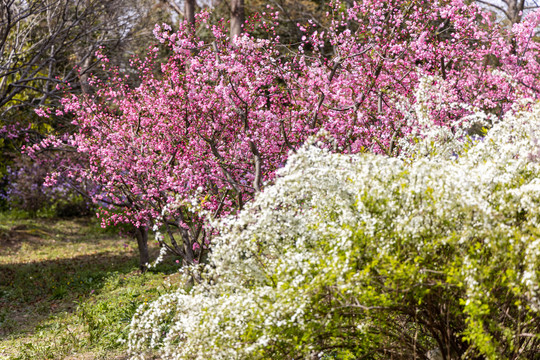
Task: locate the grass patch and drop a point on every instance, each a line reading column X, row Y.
column 68, row 289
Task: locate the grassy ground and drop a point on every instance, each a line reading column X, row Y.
column 68, row 289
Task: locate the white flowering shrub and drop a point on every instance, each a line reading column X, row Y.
column 364, row 256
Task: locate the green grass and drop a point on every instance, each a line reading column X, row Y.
column 69, row 288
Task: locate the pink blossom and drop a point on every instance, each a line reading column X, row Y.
column 202, row 137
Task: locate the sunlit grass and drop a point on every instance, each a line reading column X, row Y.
column 69, row 288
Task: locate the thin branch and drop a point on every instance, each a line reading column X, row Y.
column 494, row 6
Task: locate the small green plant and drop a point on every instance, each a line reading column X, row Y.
column 59, row 292
column 106, row 318
column 7, row 324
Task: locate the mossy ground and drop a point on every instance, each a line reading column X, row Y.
column 68, row 288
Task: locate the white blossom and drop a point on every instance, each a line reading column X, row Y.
column 310, row 230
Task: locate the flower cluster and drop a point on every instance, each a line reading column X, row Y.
column 29, row 187
column 347, row 256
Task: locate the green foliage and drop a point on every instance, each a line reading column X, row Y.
column 106, row 319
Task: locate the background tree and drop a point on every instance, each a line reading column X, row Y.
column 511, row 10
column 188, row 14
column 290, row 15
column 47, row 44
column 237, row 17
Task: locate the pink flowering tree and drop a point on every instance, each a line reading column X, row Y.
column 203, row 132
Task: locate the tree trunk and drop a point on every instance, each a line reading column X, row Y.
column 141, row 234
column 237, row 17
column 515, row 10
column 83, row 77
column 189, row 12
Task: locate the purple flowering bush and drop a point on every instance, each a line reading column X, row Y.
column 27, row 189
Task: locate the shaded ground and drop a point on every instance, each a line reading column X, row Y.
column 68, row 289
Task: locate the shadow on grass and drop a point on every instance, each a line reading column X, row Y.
column 84, row 266
column 44, row 231
column 31, row 292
